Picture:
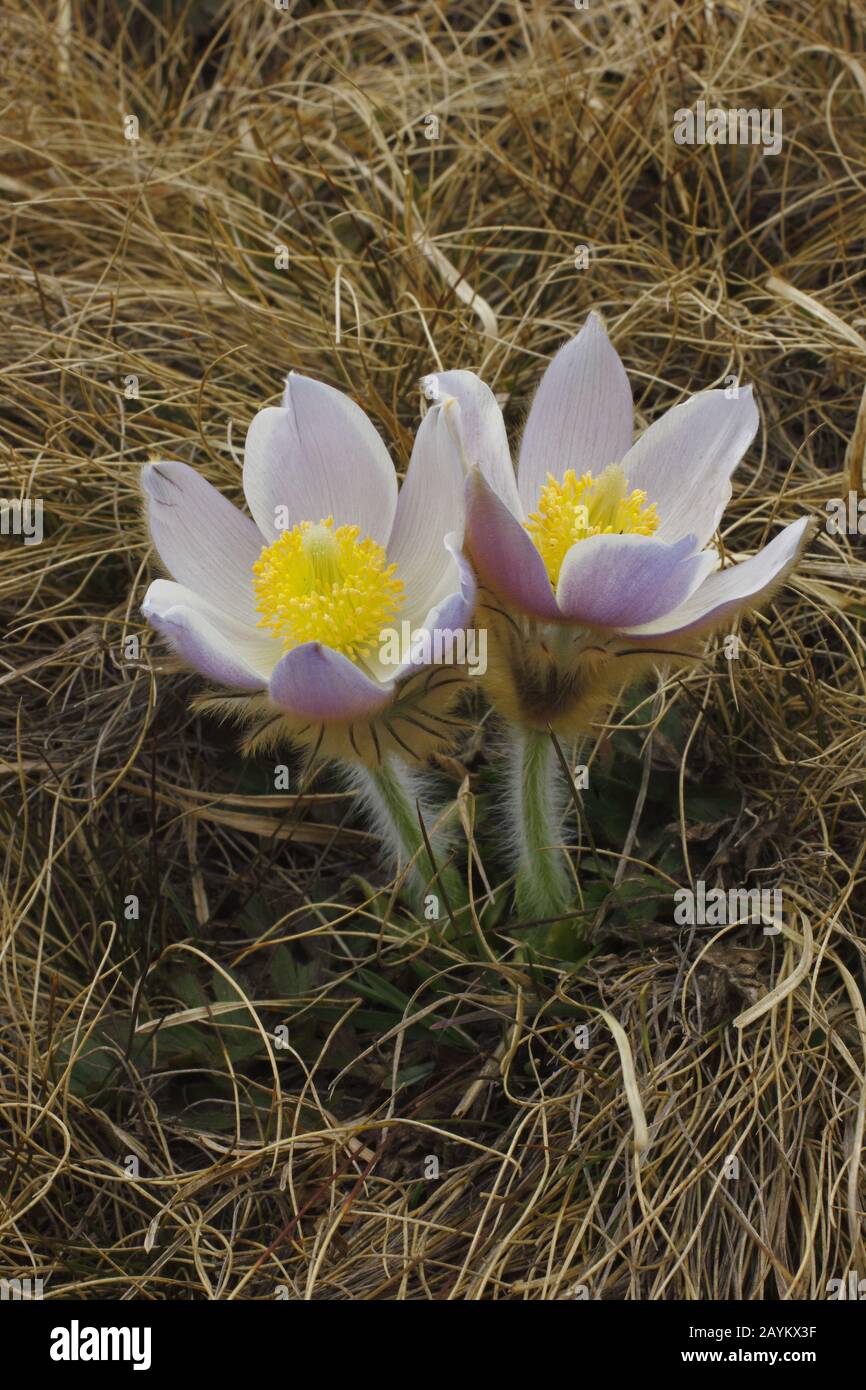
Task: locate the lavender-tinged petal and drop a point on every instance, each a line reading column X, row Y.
column 611, row 581
column 451, row 614
column 255, row 648
column 316, row 682
column 203, row 541
column 429, row 507
column 729, row 591
column 684, row 461
column 194, row 636
column 503, row 555
column 318, row 455
column 581, row 416
column 480, row 429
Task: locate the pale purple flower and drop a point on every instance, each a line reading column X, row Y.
column 312, row 467
column 643, row 571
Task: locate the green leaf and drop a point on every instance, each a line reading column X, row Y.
column 381, row 991
column 291, row 977
column 709, row 805
column 186, row 1045
column 236, row 1028
column 96, row 1062
column 188, row 989
column 254, row 919
column 408, row 1076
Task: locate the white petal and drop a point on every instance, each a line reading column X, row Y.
column 318, row 455
column 684, row 461
column 728, row 591
column 202, row 540
column 609, row 581
column 430, row 507
column 214, row 645
column 315, row 682
column 453, row 612
column 481, row 431
column 581, row 416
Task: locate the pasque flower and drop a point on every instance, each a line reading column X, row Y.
column 287, row 608
column 595, row 560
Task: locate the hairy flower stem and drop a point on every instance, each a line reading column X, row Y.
column 544, row 886
column 393, row 795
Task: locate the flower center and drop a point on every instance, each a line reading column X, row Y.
column 320, row 583
column 581, row 507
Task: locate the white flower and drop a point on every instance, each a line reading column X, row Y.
column 596, row 558
column 596, row 531
column 290, row 606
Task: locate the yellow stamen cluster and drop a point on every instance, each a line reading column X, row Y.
column 580, row 507
column 320, row 583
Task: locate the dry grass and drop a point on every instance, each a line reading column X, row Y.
column 154, row 1039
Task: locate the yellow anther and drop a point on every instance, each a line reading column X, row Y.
column 581, row 507
column 321, row 583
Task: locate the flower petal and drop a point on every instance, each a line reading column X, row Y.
column 684, row 461
column 203, row 541
column 316, row 682
column 457, row 608
column 454, row 612
column 502, row 552
column 429, row 507
column 480, row 429
column 213, row 645
column 581, row 416
column 318, row 455
column 613, row 580
column 729, row 591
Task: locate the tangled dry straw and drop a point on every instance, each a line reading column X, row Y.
column 157, row 1142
